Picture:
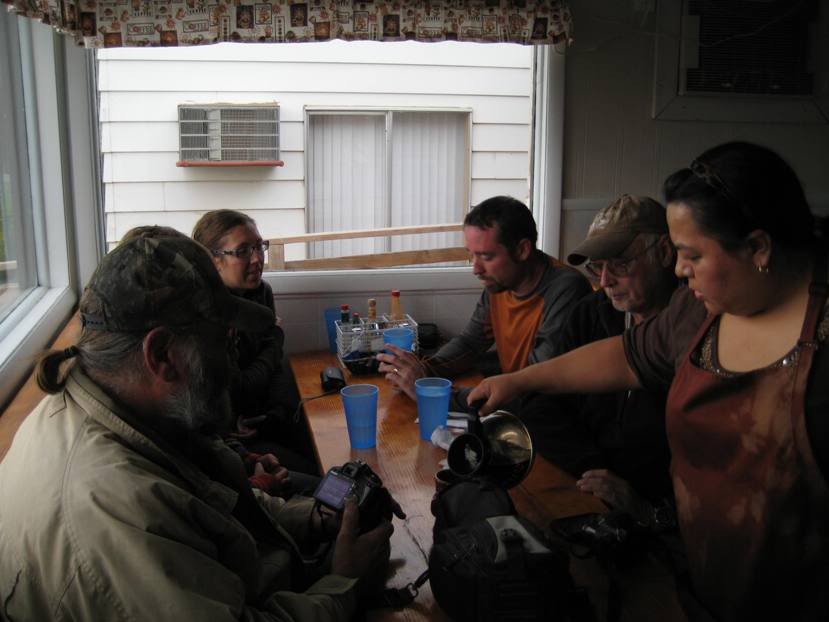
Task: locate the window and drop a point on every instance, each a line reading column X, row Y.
column 381, row 169
column 47, row 168
column 17, row 261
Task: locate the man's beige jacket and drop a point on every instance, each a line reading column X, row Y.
column 98, row 522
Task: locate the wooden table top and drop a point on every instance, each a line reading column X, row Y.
column 407, row 466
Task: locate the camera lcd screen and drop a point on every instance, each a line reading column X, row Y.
column 332, row 490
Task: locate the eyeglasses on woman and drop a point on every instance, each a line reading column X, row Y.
column 245, row 252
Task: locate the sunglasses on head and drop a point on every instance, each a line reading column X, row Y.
column 706, row 173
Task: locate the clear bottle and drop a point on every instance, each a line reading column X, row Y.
column 396, row 312
column 358, row 337
column 374, row 333
column 351, row 332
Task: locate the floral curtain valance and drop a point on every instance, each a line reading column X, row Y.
column 116, row 23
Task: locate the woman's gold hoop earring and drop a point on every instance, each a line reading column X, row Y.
column 762, row 269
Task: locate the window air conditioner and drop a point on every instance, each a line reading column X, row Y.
column 229, row 135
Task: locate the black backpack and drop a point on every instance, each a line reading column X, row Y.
column 488, row 564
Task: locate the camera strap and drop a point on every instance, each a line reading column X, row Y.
column 397, row 598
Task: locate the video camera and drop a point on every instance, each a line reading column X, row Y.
column 356, row 478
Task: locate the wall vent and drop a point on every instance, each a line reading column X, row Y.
column 229, row 135
column 744, row 61
column 749, row 47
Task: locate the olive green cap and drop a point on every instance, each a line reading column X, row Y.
column 165, row 281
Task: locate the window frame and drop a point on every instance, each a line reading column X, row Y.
column 23, row 230
column 670, row 103
column 65, row 189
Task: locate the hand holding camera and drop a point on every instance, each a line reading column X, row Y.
column 360, row 555
column 358, row 480
column 362, row 547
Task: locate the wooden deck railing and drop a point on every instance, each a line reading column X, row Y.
column 276, row 253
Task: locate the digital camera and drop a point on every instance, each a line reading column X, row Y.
column 609, row 534
column 356, row 478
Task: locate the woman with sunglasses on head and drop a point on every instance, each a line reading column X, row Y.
column 263, row 392
column 741, row 349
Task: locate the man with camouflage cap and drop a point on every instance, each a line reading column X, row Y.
column 615, row 443
column 118, row 503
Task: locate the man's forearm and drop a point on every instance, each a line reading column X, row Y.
column 461, row 352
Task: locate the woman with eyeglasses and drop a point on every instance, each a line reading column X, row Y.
column 743, row 350
column 263, row 393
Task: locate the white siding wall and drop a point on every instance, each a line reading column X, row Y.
column 140, row 90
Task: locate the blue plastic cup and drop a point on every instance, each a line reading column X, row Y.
column 432, row 404
column 331, row 316
column 360, row 402
column 403, row 338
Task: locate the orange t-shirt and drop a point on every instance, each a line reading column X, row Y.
column 522, row 329
column 507, row 312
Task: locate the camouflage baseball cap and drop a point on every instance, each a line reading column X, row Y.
column 617, row 225
column 163, row 281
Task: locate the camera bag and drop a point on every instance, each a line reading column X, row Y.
column 488, row 564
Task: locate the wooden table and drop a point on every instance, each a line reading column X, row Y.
column 407, row 466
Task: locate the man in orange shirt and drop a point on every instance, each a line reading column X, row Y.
column 527, row 294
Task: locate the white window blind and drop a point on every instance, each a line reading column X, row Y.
column 429, row 176
column 346, row 181
column 356, row 182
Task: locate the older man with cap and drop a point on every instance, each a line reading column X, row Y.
column 615, row 443
column 119, row 504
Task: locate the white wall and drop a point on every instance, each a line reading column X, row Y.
column 302, row 305
column 611, row 143
column 141, row 88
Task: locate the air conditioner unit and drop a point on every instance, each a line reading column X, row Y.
column 747, row 61
column 229, row 135
column 749, row 47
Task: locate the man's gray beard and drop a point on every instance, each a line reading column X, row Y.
column 197, row 407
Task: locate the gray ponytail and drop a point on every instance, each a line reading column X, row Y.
column 98, row 353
